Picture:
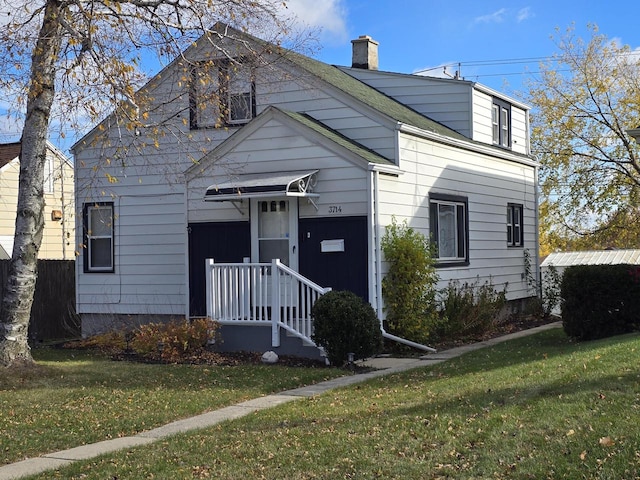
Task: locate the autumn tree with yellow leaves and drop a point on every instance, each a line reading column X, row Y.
column 584, row 100
column 65, row 63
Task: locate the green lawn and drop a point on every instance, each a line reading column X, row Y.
column 538, row 407
column 76, row 397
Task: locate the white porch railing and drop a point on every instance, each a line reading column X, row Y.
column 262, row 293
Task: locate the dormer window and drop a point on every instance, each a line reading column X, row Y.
column 240, row 94
column 501, row 123
column 222, row 94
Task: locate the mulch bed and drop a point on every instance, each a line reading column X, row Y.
column 253, row 358
column 515, row 324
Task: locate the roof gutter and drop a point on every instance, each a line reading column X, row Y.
column 468, row 145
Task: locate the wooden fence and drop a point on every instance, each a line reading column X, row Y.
column 53, row 313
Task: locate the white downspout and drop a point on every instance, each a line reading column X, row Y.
column 378, row 249
column 371, row 247
column 376, row 229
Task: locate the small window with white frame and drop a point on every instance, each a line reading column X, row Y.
column 515, row 233
column 501, row 123
column 49, row 174
column 98, row 237
column 449, row 229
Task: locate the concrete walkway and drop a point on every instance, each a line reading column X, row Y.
column 383, row 366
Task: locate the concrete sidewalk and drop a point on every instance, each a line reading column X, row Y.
column 382, row 365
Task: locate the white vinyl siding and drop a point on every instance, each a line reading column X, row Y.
column 444, row 100
column 491, row 127
column 488, row 184
column 149, row 235
column 338, row 182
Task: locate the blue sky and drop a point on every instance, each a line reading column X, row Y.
column 425, row 34
column 420, row 34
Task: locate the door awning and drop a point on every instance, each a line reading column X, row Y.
column 261, row 185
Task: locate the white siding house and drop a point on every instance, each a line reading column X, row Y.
column 303, row 162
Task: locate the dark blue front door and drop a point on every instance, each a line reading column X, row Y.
column 344, row 270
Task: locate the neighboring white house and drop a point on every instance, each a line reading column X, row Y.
column 301, row 161
column 58, row 240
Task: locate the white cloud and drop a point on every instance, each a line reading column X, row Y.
column 495, row 17
column 329, row 16
column 524, row 14
column 504, row 14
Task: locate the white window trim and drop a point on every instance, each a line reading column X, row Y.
column 89, row 238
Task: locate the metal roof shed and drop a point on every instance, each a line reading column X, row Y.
column 592, row 257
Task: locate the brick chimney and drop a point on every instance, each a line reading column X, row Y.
column 365, row 53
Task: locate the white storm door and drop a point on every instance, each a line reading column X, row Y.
column 274, row 231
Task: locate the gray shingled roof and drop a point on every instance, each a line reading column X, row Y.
column 367, row 154
column 370, row 96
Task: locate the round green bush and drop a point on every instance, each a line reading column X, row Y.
column 344, row 323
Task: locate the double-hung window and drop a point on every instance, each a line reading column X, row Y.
column 240, row 94
column 449, row 229
column 222, row 93
column 98, row 237
column 515, row 234
column 501, row 123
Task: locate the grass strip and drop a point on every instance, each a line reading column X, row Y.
column 78, row 397
column 537, row 407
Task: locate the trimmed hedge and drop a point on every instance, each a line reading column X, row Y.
column 344, row 323
column 600, row 300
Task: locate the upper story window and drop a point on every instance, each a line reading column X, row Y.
column 515, row 236
column 501, row 123
column 222, row 93
column 49, row 174
column 449, row 229
column 98, row 237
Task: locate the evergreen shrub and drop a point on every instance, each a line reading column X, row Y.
column 409, row 286
column 344, row 323
column 600, row 300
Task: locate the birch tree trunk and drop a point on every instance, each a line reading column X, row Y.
column 21, row 280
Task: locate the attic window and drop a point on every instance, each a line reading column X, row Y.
column 501, row 123
column 222, row 94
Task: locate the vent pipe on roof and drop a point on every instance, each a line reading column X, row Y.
column 365, row 53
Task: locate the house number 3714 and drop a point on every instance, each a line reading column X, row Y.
column 335, row 208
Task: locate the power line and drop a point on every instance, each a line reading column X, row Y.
column 512, row 61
